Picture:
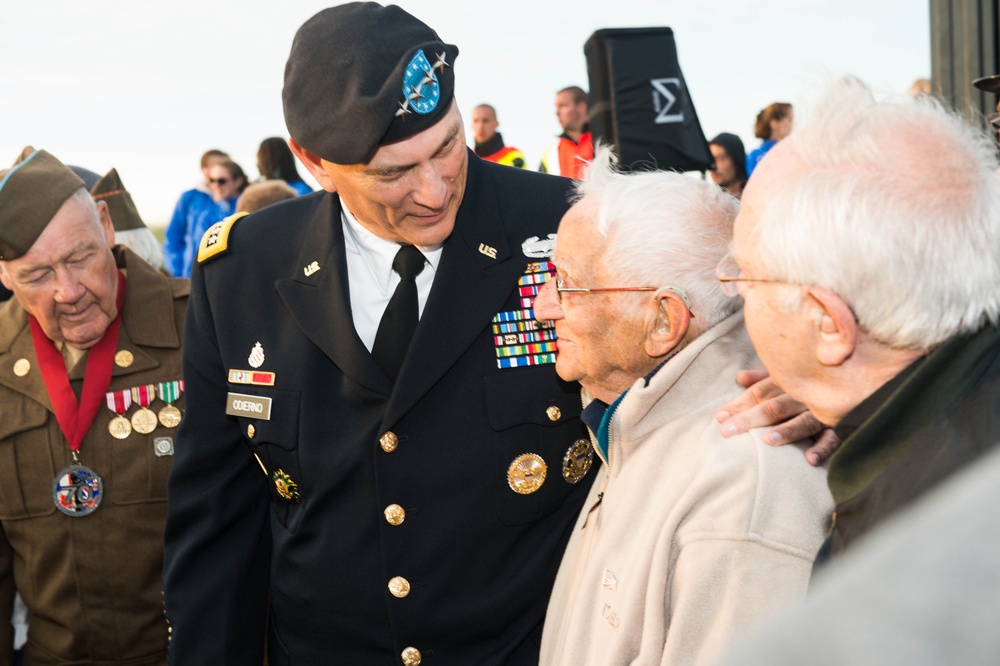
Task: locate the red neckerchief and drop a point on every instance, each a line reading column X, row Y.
column 75, row 417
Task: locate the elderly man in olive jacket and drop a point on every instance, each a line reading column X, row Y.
column 90, row 397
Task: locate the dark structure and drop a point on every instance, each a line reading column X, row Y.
column 639, row 101
column 965, row 45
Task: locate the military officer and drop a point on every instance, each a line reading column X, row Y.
column 90, row 397
column 378, row 461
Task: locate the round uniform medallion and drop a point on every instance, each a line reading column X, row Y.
column 77, row 491
column 22, row 366
column 527, row 473
column 144, row 421
column 170, row 416
column 120, row 427
column 579, row 457
column 124, row 358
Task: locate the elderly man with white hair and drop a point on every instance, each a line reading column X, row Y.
column 867, row 252
column 686, row 538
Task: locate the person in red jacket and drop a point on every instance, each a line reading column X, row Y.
column 574, row 149
column 489, row 142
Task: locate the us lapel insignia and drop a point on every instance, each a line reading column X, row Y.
column 256, row 358
column 490, row 252
column 311, row 268
column 520, row 340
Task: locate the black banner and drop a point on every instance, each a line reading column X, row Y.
column 640, row 103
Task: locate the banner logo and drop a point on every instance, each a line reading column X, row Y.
column 665, row 101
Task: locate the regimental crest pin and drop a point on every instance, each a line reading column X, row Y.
column 256, row 358
column 539, row 248
column 287, row 489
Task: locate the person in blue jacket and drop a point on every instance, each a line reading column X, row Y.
column 774, row 123
column 197, row 211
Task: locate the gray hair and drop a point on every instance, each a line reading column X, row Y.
column 143, row 243
column 663, row 229
column 897, row 212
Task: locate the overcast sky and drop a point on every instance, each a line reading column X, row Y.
column 148, row 87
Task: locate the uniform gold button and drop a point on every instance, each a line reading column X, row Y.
column 22, row 366
column 251, row 431
column 124, row 358
column 399, row 587
column 553, row 413
column 389, row 442
column 411, row 656
column 394, row 514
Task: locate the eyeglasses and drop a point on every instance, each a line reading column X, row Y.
column 218, row 181
column 728, row 273
column 561, row 289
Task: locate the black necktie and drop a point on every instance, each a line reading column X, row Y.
column 399, row 320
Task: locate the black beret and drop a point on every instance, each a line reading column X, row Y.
column 362, row 75
column 31, row 193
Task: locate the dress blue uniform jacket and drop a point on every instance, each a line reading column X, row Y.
column 479, row 558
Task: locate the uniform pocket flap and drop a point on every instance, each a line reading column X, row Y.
column 533, row 395
column 271, row 415
column 21, row 414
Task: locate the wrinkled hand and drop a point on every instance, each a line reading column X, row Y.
column 764, row 404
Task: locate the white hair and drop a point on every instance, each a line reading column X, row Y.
column 143, row 243
column 896, row 210
column 663, row 229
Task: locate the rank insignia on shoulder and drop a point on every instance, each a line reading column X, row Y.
column 519, row 339
column 216, row 238
column 287, row 489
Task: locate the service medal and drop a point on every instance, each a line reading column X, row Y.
column 77, row 491
column 170, row 416
column 144, row 421
column 120, row 427
column 119, row 402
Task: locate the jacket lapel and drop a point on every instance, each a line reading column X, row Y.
column 320, row 303
column 470, row 287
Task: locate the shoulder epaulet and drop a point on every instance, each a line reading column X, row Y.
column 216, row 238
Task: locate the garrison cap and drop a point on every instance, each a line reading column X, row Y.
column 31, row 193
column 110, row 190
column 361, row 75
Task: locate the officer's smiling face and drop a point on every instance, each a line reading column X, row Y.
column 68, row 279
column 410, row 191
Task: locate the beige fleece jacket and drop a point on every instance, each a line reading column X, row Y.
column 689, row 539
